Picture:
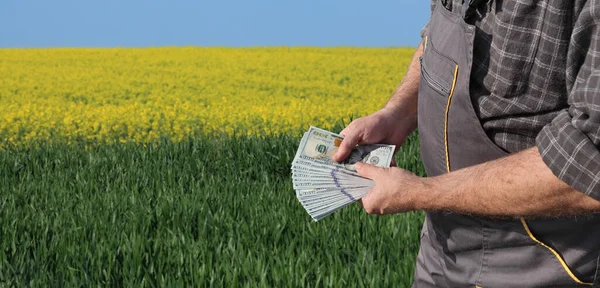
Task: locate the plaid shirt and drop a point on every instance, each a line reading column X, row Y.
column 536, row 81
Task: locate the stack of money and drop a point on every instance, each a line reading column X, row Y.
column 322, row 185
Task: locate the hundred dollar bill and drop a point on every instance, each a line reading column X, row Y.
column 318, row 216
column 308, row 185
column 320, row 192
column 314, row 202
column 326, row 203
column 330, row 207
column 326, row 200
column 318, row 169
column 324, row 186
column 320, row 145
column 329, row 178
column 340, row 183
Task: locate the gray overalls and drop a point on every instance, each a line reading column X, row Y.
column 469, row 251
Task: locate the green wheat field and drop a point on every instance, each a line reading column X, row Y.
column 200, row 209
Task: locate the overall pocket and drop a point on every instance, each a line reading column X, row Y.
column 579, row 267
column 437, row 70
column 437, row 83
column 526, row 255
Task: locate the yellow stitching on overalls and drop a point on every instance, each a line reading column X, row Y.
column 446, row 121
column 560, row 259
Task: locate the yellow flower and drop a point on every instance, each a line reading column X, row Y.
column 117, row 95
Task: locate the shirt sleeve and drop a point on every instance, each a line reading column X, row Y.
column 570, row 144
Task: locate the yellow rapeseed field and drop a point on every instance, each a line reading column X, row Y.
column 116, row 95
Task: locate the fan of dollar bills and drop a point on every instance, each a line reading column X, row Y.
column 322, row 185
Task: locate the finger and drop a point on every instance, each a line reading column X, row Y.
column 343, row 132
column 346, row 146
column 348, row 128
column 366, row 203
column 367, row 170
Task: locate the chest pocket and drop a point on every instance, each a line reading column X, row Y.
column 437, row 70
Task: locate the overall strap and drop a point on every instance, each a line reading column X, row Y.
column 469, row 7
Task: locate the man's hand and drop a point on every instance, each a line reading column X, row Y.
column 393, row 123
column 396, row 190
column 388, row 126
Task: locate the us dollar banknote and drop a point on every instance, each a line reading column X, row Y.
column 320, row 145
column 324, row 186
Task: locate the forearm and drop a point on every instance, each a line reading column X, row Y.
column 404, row 98
column 517, row 185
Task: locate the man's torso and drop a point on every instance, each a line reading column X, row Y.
column 519, row 75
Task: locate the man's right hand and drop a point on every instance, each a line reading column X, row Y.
column 392, row 124
column 387, row 126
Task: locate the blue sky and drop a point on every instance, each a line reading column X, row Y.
column 237, row 23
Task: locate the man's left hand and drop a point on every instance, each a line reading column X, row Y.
column 395, row 191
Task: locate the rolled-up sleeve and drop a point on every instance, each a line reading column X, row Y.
column 570, row 144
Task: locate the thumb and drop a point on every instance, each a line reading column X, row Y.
column 367, row 170
column 346, row 147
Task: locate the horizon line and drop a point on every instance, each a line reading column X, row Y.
column 207, row 46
